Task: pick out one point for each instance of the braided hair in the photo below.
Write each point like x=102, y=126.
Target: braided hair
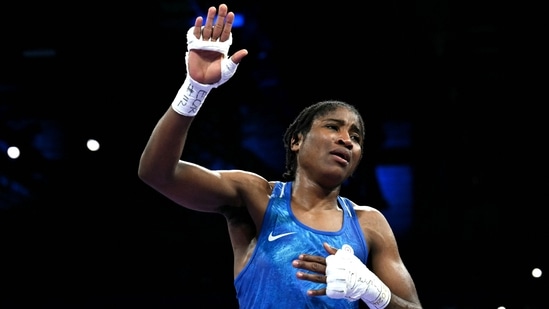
x=302, y=125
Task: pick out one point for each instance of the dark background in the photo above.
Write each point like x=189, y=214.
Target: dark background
x=463, y=83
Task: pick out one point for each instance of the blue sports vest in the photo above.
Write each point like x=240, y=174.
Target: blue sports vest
x=269, y=280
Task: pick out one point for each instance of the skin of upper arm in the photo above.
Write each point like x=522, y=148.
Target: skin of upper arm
x=198, y=188
x=386, y=261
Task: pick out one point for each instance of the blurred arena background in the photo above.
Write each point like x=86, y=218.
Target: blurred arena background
x=453, y=93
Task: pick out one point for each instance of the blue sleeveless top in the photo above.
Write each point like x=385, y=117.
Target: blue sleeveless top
x=269, y=280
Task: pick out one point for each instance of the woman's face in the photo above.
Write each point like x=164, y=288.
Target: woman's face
x=332, y=148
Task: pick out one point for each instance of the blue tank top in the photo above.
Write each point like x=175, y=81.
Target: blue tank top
x=269, y=280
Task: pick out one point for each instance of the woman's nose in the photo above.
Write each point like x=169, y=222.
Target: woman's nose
x=345, y=139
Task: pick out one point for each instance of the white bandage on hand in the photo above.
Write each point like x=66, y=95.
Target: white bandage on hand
x=192, y=94
x=347, y=277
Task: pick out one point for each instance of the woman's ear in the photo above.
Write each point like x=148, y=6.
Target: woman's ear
x=296, y=142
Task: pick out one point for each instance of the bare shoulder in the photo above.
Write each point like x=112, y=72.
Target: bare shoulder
x=368, y=213
x=373, y=223
x=252, y=194
x=250, y=189
x=245, y=180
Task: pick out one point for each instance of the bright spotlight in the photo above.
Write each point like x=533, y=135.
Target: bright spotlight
x=93, y=145
x=13, y=152
x=536, y=272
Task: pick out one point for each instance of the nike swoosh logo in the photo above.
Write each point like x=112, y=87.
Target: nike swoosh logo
x=275, y=237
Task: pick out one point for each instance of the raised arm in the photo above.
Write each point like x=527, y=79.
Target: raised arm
x=208, y=66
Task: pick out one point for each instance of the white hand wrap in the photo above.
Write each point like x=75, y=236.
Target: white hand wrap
x=192, y=94
x=347, y=277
